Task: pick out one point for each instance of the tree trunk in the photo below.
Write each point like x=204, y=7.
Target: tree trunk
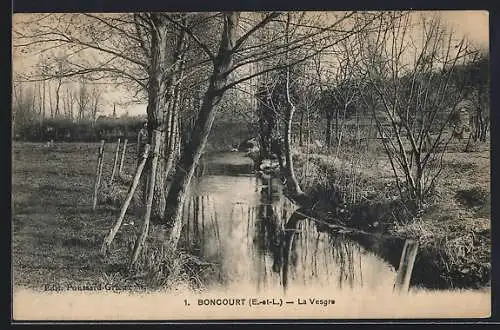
x=292, y=183
x=59, y=84
x=43, y=101
x=50, y=103
x=337, y=131
x=191, y=155
x=167, y=150
x=293, y=188
x=140, y=241
x=301, y=126
x=156, y=103
x=328, y=134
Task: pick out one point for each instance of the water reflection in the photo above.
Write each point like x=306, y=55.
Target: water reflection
x=245, y=225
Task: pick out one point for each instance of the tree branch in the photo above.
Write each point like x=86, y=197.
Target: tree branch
x=259, y=25
x=193, y=36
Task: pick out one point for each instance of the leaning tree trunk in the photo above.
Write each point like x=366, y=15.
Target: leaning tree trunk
x=177, y=194
x=59, y=83
x=291, y=180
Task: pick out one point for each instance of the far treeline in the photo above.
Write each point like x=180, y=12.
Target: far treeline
x=66, y=130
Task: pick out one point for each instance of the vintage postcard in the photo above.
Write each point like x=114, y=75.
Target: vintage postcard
x=251, y=165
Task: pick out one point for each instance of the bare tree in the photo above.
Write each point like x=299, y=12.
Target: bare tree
x=82, y=100
x=294, y=28
x=24, y=113
x=69, y=102
x=95, y=95
x=411, y=92
x=342, y=89
x=476, y=81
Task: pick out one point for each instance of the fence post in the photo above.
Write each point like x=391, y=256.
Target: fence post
x=406, y=263
x=111, y=235
x=115, y=163
x=123, y=157
x=98, y=175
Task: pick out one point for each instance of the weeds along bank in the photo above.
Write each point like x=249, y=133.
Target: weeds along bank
x=453, y=230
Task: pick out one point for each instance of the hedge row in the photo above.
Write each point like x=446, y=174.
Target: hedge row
x=88, y=131
x=223, y=133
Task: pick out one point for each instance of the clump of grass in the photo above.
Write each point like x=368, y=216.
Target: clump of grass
x=461, y=248
x=160, y=268
x=125, y=179
x=474, y=197
x=114, y=195
x=357, y=200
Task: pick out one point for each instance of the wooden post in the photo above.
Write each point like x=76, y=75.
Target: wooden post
x=98, y=175
x=145, y=226
x=123, y=157
x=405, y=269
x=115, y=163
x=111, y=235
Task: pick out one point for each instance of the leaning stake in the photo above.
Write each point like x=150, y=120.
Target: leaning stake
x=145, y=226
x=98, y=175
x=408, y=256
x=111, y=235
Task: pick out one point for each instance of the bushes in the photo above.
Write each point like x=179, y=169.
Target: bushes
x=227, y=134
x=223, y=136
x=88, y=131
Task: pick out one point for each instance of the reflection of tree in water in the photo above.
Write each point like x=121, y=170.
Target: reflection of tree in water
x=285, y=247
x=336, y=251
x=193, y=231
x=268, y=234
x=343, y=256
x=201, y=226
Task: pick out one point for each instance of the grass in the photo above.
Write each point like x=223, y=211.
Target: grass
x=56, y=237
x=357, y=189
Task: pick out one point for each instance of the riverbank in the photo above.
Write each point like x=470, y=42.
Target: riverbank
x=453, y=231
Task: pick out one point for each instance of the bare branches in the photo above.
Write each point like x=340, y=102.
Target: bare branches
x=411, y=82
x=258, y=26
x=200, y=43
x=66, y=39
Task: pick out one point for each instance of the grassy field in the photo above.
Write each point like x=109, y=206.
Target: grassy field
x=55, y=234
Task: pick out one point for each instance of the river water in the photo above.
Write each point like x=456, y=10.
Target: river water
x=238, y=221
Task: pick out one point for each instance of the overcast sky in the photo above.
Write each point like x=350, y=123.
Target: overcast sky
x=472, y=24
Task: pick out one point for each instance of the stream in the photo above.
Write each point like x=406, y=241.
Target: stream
x=238, y=221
